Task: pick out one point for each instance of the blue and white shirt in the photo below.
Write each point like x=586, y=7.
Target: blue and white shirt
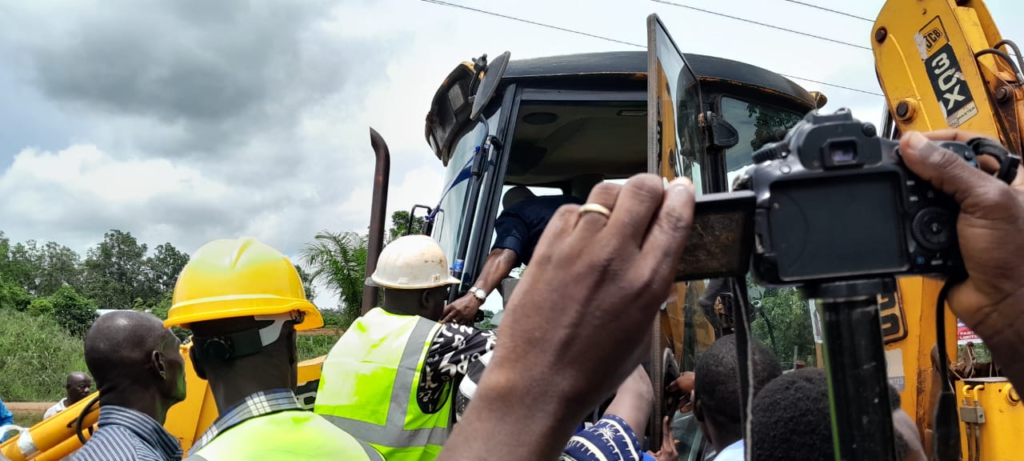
x=128, y=435
x=611, y=439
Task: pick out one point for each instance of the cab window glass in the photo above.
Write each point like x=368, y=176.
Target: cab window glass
x=757, y=125
x=452, y=212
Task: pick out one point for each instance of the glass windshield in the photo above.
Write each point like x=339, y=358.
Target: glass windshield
x=451, y=213
x=757, y=125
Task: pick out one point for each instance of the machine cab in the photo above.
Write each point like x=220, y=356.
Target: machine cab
x=557, y=125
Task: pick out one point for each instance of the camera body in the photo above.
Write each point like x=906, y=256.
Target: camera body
x=834, y=201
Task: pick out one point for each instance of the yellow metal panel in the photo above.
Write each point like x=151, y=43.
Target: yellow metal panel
x=55, y=434
x=918, y=296
x=924, y=37
x=1000, y=434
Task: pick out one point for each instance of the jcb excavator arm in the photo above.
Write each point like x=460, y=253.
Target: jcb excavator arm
x=943, y=64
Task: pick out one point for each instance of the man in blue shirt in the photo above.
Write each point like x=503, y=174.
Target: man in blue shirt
x=6, y=419
x=518, y=229
x=140, y=374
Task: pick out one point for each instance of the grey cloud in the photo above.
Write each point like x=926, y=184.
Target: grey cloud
x=216, y=72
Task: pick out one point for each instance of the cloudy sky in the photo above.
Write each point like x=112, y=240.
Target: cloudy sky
x=189, y=120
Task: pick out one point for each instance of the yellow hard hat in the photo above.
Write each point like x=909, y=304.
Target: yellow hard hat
x=239, y=278
x=413, y=262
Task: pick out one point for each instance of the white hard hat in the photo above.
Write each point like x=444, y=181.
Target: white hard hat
x=413, y=262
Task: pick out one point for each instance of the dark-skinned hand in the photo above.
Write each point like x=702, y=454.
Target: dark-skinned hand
x=462, y=310
x=668, y=444
x=576, y=323
x=683, y=388
x=991, y=234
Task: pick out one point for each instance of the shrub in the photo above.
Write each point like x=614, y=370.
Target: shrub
x=36, y=355
x=73, y=311
x=41, y=306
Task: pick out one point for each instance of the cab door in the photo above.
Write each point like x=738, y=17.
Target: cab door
x=674, y=148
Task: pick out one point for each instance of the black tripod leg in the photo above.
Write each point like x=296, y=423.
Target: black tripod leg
x=855, y=362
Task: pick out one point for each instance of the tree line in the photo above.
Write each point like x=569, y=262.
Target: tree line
x=51, y=279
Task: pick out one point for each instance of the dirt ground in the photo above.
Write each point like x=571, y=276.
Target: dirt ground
x=28, y=407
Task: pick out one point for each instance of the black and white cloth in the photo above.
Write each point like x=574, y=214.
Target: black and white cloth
x=454, y=350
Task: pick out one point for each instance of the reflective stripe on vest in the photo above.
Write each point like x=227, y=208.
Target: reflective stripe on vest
x=287, y=435
x=368, y=388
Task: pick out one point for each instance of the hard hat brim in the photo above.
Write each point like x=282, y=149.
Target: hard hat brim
x=375, y=281
x=185, y=314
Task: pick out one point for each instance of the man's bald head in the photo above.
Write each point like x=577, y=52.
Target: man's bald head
x=119, y=348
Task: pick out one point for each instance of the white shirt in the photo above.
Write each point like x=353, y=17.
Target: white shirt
x=56, y=408
x=732, y=452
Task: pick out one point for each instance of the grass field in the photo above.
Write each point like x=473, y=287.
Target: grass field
x=311, y=347
x=27, y=419
x=36, y=356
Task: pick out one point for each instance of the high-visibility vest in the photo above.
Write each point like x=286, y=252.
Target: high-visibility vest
x=369, y=381
x=286, y=435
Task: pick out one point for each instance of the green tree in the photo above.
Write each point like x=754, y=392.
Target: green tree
x=307, y=282
x=790, y=321
x=400, y=224
x=73, y=311
x=57, y=266
x=338, y=261
x=160, y=310
x=163, y=269
x=767, y=123
x=115, y=271
x=23, y=266
x=12, y=295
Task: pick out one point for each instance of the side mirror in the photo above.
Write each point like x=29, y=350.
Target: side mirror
x=723, y=134
x=493, y=73
x=819, y=99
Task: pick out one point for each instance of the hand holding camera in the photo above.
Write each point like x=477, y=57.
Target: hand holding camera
x=990, y=229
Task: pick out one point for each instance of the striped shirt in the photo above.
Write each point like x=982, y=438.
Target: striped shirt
x=610, y=439
x=128, y=435
x=258, y=404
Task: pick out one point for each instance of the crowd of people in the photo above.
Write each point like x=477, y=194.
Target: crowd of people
x=572, y=338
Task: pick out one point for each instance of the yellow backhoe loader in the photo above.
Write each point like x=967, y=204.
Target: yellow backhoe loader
x=941, y=63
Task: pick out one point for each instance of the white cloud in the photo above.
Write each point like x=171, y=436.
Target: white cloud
x=198, y=161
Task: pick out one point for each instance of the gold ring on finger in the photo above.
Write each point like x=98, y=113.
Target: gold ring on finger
x=595, y=208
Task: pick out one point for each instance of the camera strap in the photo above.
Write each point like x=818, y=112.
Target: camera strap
x=744, y=363
x=1008, y=162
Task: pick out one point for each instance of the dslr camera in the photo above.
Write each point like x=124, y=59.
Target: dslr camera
x=831, y=201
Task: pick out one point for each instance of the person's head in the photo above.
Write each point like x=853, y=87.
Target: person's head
x=414, y=273
x=256, y=353
x=581, y=185
x=717, y=389
x=243, y=301
x=793, y=411
x=515, y=195
x=791, y=415
x=136, y=362
x=78, y=386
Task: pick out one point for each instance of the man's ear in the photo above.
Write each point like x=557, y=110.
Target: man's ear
x=157, y=360
x=197, y=364
x=698, y=408
x=425, y=298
